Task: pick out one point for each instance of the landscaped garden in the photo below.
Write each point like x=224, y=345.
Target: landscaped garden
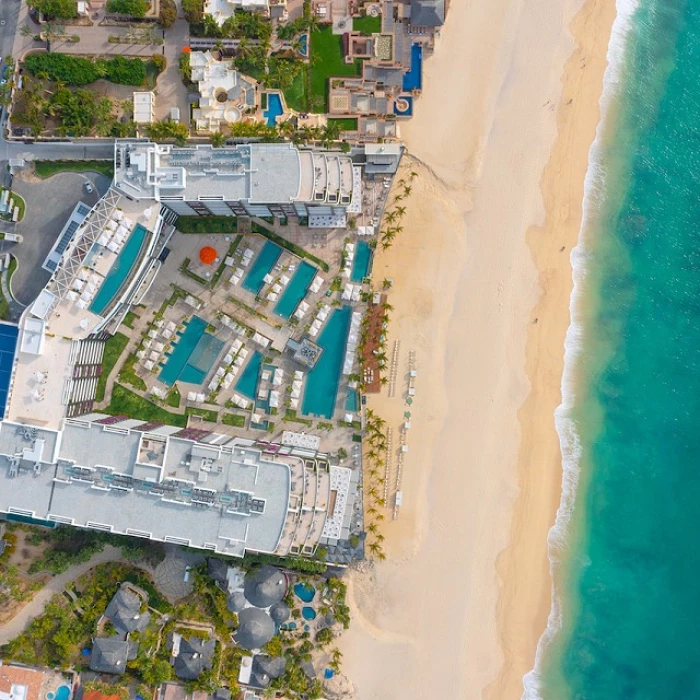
x=61, y=94
x=327, y=59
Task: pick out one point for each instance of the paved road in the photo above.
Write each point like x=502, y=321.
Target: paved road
x=57, y=584
x=9, y=13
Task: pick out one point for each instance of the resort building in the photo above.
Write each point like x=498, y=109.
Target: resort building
x=186, y=486
x=221, y=10
x=24, y=683
x=256, y=179
x=224, y=93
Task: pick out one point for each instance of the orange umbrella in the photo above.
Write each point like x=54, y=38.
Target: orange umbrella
x=207, y=255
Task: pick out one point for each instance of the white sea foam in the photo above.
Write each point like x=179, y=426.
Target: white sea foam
x=573, y=344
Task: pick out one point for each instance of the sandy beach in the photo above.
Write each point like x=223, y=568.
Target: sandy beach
x=482, y=284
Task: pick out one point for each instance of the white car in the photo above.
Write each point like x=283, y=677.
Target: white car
x=89, y=188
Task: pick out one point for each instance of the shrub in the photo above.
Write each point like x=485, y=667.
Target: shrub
x=124, y=71
x=168, y=13
x=134, y=8
x=194, y=10
x=159, y=61
x=58, y=66
x=75, y=70
x=65, y=9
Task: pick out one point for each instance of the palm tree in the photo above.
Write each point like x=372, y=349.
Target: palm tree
x=407, y=190
x=373, y=528
x=26, y=30
x=400, y=210
x=375, y=549
x=383, y=381
x=413, y=174
x=391, y=216
x=218, y=139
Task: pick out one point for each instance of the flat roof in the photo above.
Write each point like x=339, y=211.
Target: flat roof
x=98, y=475
x=255, y=173
x=143, y=107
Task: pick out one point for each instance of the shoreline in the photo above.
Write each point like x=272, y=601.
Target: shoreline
x=562, y=186
x=466, y=289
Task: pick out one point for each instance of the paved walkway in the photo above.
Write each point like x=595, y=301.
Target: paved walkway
x=56, y=585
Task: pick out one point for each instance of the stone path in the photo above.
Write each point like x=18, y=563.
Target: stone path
x=56, y=584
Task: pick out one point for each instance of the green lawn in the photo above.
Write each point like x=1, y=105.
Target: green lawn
x=130, y=319
x=345, y=124
x=295, y=94
x=127, y=403
x=367, y=24
x=173, y=398
x=114, y=347
x=327, y=61
x=209, y=416
x=15, y=201
x=233, y=419
x=47, y=168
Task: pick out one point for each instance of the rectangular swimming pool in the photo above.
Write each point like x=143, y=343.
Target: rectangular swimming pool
x=360, y=264
x=247, y=384
x=274, y=108
x=119, y=271
x=296, y=290
x=262, y=265
x=8, y=346
x=413, y=80
x=193, y=356
x=323, y=380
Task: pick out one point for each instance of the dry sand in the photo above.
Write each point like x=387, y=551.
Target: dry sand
x=439, y=618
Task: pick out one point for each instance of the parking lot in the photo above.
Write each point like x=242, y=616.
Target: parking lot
x=49, y=204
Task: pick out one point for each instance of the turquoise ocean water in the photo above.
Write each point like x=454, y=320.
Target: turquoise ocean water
x=625, y=623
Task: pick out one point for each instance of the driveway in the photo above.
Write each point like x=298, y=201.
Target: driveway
x=49, y=204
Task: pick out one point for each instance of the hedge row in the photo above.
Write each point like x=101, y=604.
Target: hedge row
x=76, y=70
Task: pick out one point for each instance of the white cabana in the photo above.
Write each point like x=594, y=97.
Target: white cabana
x=148, y=364
x=191, y=395
x=152, y=334
x=268, y=278
x=71, y=295
x=284, y=280
x=220, y=371
x=239, y=361
x=199, y=398
x=171, y=326
x=153, y=356
x=274, y=399
x=294, y=403
x=159, y=347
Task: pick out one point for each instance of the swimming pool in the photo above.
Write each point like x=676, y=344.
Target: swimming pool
x=119, y=271
x=413, y=80
x=8, y=347
x=352, y=402
x=308, y=613
x=193, y=355
x=295, y=291
x=304, y=44
x=304, y=591
x=247, y=384
x=262, y=265
x=274, y=108
x=322, y=381
x=360, y=264
x=62, y=692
